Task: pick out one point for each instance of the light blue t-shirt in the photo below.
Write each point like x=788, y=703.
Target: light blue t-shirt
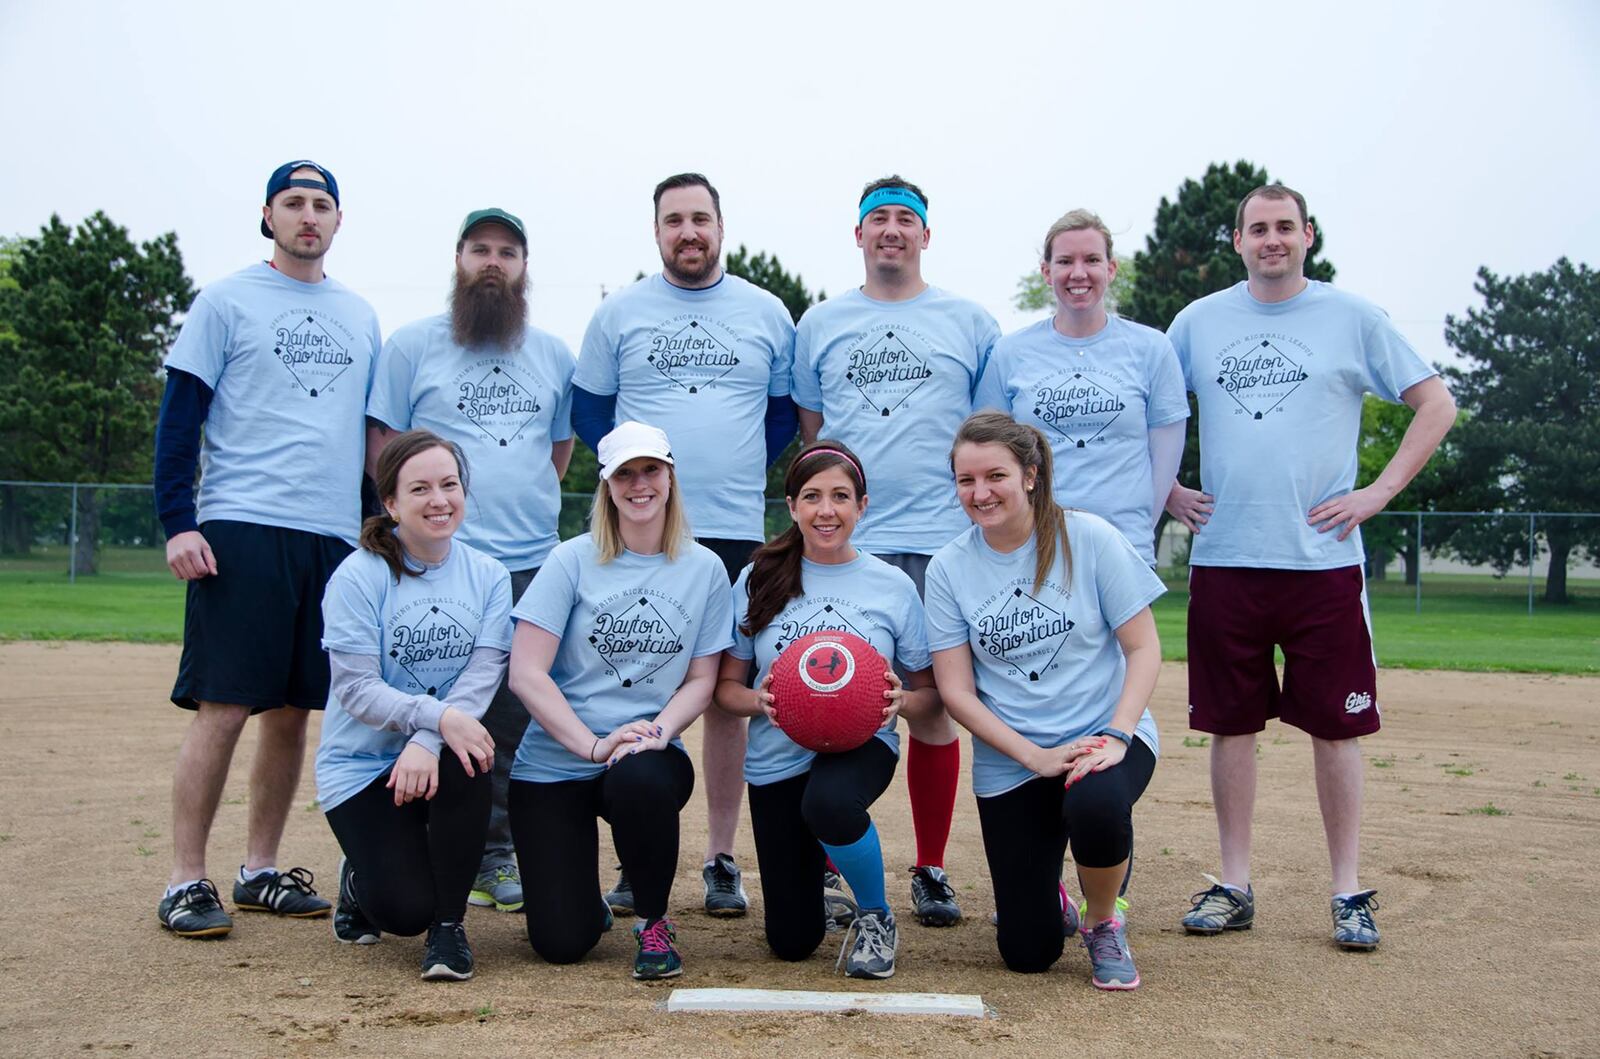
x=628, y=630
x=1280, y=386
x=699, y=364
x=865, y=596
x=289, y=365
x=1047, y=663
x=893, y=380
x=504, y=409
x=422, y=630
x=1096, y=399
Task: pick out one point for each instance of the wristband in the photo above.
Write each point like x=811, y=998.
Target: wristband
x=1116, y=733
x=592, y=750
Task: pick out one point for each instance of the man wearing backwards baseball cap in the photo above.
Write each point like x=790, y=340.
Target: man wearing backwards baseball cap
x=274, y=362
x=891, y=368
x=481, y=376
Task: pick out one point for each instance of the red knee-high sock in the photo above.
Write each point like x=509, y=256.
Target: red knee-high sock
x=932, y=772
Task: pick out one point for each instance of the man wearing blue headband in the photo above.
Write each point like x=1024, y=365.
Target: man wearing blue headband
x=889, y=369
x=706, y=357
x=274, y=362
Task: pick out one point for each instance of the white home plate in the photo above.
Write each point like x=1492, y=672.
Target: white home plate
x=960, y=1004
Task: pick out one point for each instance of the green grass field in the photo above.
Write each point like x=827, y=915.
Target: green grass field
x=1467, y=622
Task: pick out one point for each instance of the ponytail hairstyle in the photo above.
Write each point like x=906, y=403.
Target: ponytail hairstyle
x=377, y=532
x=775, y=567
x=1030, y=449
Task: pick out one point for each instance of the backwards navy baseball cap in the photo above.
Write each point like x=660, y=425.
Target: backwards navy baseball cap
x=280, y=180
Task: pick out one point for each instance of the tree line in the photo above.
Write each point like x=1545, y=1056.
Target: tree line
x=87, y=314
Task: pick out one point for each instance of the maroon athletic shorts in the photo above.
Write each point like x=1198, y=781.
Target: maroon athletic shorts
x=1318, y=617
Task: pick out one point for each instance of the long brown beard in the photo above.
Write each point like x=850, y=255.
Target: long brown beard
x=488, y=313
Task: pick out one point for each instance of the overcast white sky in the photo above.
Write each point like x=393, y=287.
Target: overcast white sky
x=1430, y=138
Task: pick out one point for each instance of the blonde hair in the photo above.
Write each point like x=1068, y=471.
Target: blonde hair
x=1077, y=221
x=1030, y=449
x=604, y=524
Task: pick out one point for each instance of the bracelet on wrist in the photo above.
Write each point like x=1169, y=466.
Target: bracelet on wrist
x=592, y=749
x=1116, y=733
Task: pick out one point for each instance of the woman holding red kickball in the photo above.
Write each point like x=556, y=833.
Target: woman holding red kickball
x=806, y=807
x=1046, y=651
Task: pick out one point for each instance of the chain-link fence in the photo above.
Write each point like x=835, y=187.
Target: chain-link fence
x=73, y=530
x=79, y=529
x=1456, y=554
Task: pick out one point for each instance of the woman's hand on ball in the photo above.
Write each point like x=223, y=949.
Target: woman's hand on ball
x=766, y=700
x=895, y=694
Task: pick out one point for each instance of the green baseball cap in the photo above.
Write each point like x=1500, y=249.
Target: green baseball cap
x=494, y=215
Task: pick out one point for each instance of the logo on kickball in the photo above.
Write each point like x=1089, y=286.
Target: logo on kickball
x=827, y=667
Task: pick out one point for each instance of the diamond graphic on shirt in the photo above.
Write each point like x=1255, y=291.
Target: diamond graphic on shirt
x=1260, y=378
x=635, y=638
x=886, y=369
x=817, y=615
x=1078, y=409
x=314, y=357
x=693, y=352
x=1024, y=633
x=432, y=650
x=496, y=401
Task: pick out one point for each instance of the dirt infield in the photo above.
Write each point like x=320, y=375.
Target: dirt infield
x=1481, y=837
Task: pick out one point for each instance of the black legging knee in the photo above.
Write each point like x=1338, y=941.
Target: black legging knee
x=1025, y=836
x=790, y=818
x=415, y=863
x=554, y=825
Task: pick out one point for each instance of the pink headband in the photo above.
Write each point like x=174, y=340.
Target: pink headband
x=860, y=474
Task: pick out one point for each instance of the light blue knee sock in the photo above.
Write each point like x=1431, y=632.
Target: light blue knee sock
x=861, y=864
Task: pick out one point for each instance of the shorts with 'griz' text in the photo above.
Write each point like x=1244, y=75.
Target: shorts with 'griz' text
x=1319, y=617
x=252, y=632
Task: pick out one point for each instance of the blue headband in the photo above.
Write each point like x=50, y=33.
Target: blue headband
x=894, y=196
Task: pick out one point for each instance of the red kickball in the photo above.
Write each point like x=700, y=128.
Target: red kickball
x=828, y=688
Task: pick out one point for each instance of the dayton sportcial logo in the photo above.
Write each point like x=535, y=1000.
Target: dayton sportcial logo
x=433, y=649
x=1261, y=375
x=1078, y=409
x=634, y=637
x=497, y=400
x=1024, y=633
x=820, y=614
x=314, y=348
x=693, y=352
x=886, y=370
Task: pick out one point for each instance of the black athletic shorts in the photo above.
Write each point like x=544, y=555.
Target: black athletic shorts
x=252, y=632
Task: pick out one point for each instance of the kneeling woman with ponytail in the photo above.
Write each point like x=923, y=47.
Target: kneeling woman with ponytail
x=615, y=654
x=1046, y=651
x=810, y=579
x=417, y=626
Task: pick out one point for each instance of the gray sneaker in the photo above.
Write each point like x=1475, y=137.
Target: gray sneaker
x=872, y=954
x=1109, y=955
x=620, y=897
x=841, y=907
x=195, y=912
x=1219, y=909
x=1353, y=927
x=933, y=899
x=500, y=888
x=725, y=896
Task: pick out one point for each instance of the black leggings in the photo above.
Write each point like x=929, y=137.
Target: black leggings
x=1025, y=835
x=414, y=863
x=554, y=828
x=791, y=817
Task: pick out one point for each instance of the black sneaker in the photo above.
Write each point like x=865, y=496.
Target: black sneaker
x=620, y=897
x=725, y=896
x=447, y=957
x=932, y=897
x=195, y=912
x=288, y=893
x=350, y=926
